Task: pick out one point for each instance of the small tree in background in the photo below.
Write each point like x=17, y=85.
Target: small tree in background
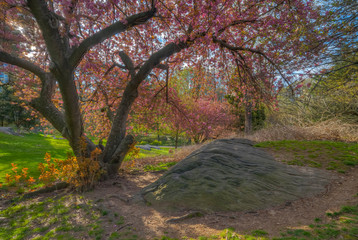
x=12, y=109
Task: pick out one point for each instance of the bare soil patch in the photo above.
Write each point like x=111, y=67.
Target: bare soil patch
x=148, y=223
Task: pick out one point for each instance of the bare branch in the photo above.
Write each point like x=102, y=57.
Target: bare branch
x=113, y=66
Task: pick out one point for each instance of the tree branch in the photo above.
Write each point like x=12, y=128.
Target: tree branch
x=162, y=66
x=122, y=149
x=127, y=62
x=22, y=63
x=234, y=48
x=130, y=93
x=108, y=32
x=113, y=66
x=49, y=24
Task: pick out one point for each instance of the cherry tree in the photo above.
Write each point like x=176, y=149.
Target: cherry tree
x=76, y=58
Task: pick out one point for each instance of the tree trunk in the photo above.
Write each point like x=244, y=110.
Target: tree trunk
x=158, y=137
x=118, y=143
x=176, y=138
x=248, y=118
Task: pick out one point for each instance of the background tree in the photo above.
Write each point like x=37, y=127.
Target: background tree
x=340, y=22
x=12, y=110
x=329, y=93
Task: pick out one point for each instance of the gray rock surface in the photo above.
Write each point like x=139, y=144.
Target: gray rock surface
x=145, y=147
x=8, y=130
x=231, y=175
x=148, y=147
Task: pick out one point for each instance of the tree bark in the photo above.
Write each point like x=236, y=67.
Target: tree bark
x=248, y=118
x=176, y=138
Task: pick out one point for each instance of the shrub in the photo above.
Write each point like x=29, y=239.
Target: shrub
x=15, y=178
x=81, y=173
x=157, y=143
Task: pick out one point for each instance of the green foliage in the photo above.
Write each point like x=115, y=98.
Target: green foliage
x=157, y=143
x=349, y=209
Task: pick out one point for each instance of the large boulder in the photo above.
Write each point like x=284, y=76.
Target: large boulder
x=232, y=175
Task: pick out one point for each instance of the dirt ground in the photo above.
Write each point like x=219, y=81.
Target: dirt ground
x=149, y=223
x=114, y=196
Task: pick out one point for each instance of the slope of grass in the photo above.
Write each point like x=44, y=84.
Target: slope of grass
x=162, y=166
x=330, y=155
x=28, y=151
x=154, y=152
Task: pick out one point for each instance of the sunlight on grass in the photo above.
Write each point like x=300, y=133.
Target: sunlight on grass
x=28, y=151
x=155, y=152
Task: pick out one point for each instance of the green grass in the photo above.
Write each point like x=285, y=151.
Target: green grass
x=28, y=151
x=155, y=152
x=68, y=217
x=162, y=166
x=43, y=220
x=330, y=155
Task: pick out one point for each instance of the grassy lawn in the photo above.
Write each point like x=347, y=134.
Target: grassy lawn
x=329, y=155
x=28, y=151
x=154, y=152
